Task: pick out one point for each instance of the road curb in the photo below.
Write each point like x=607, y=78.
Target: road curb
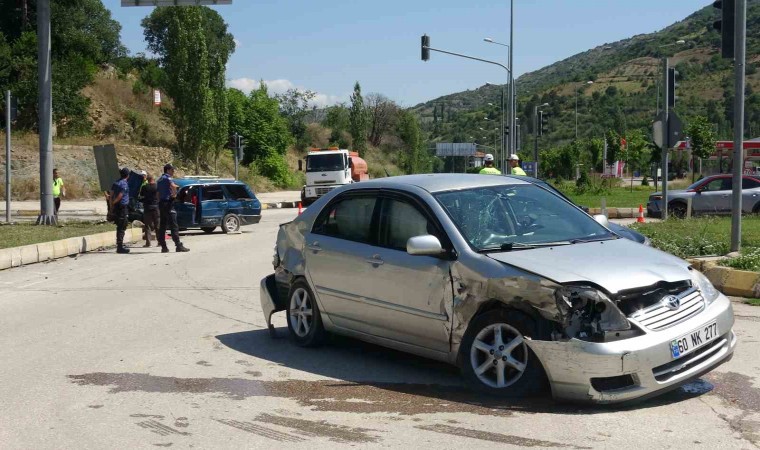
x=617, y=213
x=279, y=205
x=48, y=251
x=739, y=283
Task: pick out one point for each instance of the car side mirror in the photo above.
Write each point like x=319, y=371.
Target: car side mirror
x=602, y=220
x=300, y=165
x=425, y=245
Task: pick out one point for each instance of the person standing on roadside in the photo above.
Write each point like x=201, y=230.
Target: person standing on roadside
x=120, y=208
x=58, y=190
x=514, y=163
x=167, y=191
x=149, y=198
x=489, y=169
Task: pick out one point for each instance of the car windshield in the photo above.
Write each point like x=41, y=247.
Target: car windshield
x=325, y=163
x=497, y=218
x=694, y=185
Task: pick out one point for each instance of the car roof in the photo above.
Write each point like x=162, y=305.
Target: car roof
x=181, y=182
x=439, y=182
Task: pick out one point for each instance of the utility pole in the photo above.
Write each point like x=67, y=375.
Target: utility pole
x=740, y=35
x=512, y=87
x=45, y=107
x=665, y=140
x=8, y=156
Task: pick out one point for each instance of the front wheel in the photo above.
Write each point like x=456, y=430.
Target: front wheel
x=495, y=356
x=230, y=223
x=304, y=320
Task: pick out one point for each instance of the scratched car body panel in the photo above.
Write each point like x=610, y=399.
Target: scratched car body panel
x=500, y=277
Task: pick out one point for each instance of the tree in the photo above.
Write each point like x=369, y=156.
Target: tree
x=338, y=120
x=382, y=114
x=294, y=105
x=613, y=146
x=702, y=138
x=358, y=120
x=193, y=47
x=267, y=135
x=408, y=130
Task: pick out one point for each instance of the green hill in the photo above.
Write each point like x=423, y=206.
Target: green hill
x=626, y=76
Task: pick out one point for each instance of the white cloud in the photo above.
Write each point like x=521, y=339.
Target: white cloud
x=238, y=44
x=281, y=86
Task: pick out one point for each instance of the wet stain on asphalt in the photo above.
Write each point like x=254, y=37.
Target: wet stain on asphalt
x=260, y=430
x=494, y=437
x=253, y=373
x=203, y=363
x=321, y=428
x=738, y=391
x=95, y=406
x=168, y=444
x=152, y=416
x=354, y=397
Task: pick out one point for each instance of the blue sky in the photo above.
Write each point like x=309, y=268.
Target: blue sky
x=327, y=45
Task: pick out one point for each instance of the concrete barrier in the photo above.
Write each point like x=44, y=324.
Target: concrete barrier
x=47, y=251
x=739, y=283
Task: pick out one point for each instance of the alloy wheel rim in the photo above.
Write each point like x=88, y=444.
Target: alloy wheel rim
x=300, y=314
x=499, y=355
x=231, y=223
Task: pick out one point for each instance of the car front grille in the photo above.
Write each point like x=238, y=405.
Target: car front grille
x=658, y=317
x=323, y=190
x=669, y=370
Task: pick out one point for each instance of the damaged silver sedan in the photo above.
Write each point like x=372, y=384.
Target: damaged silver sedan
x=510, y=282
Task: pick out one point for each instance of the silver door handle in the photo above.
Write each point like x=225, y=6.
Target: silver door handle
x=314, y=247
x=375, y=260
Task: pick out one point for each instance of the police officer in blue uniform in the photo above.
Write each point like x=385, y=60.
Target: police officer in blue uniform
x=167, y=191
x=120, y=208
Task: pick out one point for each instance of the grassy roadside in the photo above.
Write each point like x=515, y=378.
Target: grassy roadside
x=26, y=234
x=616, y=196
x=700, y=237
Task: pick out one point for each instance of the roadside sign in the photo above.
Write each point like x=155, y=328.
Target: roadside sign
x=658, y=133
x=156, y=97
x=675, y=128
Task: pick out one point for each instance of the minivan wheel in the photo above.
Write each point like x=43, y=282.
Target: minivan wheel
x=230, y=223
x=208, y=229
x=304, y=320
x=496, y=358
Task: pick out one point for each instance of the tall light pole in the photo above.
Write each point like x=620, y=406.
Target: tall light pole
x=45, y=114
x=503, y=122
x=666, y=133
x=576, y=107
x=511, y=100
x=536, y=131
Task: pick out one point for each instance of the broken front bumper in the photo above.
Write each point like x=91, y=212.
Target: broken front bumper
x=638, y=367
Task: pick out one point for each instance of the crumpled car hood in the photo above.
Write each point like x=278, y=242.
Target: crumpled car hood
x=614, y=265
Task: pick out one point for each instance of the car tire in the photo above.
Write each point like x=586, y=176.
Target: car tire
x=678, y=210
x=481, y=358
x=304, y=319
x=208, y=230
x=756, y=209
x=230, y=223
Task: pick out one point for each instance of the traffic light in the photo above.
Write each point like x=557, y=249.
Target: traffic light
x=425, y=47
x=672, y=73
x=543, y=123
x=726, y=26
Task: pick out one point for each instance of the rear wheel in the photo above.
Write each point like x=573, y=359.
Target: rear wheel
x=678, y=210
x=495, y=356
x=208, y=229
x=304, y=320
x=230, y=223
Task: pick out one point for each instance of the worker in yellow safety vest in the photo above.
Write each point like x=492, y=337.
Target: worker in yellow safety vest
x=489, y=169
x=514, y=163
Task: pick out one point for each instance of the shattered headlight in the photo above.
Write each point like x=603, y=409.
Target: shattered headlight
x=588, y=312
x=709, y=293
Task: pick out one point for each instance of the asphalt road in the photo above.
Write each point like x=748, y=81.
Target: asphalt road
x=170, y=350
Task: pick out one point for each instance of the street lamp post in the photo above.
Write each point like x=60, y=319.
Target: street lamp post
x=576, y=107
x=536, y=132
x=503, y=126
x=666, y=134
x=511, y=99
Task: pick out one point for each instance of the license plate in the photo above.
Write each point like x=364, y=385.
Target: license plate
x=694, y=340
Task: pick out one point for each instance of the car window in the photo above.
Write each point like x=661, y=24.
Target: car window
x=237, y=192
x=750, y=183
x=727, y=185
x=213, y=192
x=349, y=219
x=714, y=185
x=400, y=221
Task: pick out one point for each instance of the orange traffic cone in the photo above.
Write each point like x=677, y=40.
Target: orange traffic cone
x=640, y=219
x=300, y=208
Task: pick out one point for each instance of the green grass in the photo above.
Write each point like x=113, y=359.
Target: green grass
x=25, y=234
x=753, y=301
x=616, y=197
x=700, y=237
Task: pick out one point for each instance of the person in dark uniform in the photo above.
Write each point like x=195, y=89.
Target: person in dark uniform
x=167, y=191
x=120, y=208
x=149, y=199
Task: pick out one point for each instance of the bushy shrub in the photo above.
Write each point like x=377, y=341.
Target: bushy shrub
x=748, y=260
